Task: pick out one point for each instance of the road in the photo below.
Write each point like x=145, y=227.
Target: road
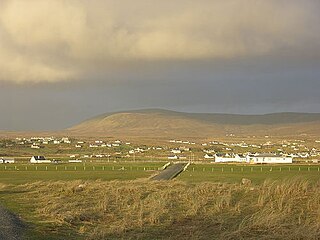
x=11, y=226
x=170, y=172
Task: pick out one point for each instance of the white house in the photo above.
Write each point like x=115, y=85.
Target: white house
x=229, y=158
x=6, y=160
x=75, y=161
x=209, y=156
x=268, y=158
x=176, y=151
x=175, y=157
x=39, y=159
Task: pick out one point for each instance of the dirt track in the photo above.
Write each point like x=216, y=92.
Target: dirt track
x=11, y=227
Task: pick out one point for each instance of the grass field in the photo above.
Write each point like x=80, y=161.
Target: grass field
x=196, y=173
x=27, y=173
x=256, y=173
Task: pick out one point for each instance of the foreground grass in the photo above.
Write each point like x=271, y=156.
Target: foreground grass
x=143, y=209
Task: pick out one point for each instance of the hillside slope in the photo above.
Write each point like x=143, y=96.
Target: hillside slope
x=163, y=123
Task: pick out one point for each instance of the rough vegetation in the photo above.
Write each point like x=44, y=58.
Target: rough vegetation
x=176, y=210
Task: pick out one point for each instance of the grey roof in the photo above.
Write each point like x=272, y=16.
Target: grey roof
x=39, y=158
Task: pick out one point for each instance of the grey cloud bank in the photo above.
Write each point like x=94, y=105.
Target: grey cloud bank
x=56, y=40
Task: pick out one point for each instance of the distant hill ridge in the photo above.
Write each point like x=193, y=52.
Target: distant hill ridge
x=148, y=122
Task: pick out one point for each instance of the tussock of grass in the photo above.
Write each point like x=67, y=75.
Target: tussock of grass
x=3, y=186
x=176, y=210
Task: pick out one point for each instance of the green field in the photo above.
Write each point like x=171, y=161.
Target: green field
x=256, y=173
x=26, y=173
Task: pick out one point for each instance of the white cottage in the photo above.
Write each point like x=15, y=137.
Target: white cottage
x=39, y=159
x=229, y=158
x=268, y=158
x=208, y=156
x=7, y=160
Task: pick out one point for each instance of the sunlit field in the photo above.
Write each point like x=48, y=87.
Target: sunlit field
x=256, y=173
x=26, y=173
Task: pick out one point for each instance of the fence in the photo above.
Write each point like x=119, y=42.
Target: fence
x=75, y=168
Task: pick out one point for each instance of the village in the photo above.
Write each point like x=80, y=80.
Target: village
x=70, y=150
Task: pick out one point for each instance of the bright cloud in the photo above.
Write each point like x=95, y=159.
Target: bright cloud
x=56, y=40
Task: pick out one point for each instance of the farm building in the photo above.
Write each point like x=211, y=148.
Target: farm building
x=6, y=160
x=39, y=159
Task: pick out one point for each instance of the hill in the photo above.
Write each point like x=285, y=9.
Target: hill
x=158, y=123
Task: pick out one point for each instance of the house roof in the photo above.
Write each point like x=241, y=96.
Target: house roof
x=39, y=158
x=265, y=155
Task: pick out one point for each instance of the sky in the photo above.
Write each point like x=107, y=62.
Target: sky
x=64, y=61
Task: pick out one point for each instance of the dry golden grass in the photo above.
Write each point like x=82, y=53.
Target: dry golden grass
x=3, y=186
x=175, y=210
